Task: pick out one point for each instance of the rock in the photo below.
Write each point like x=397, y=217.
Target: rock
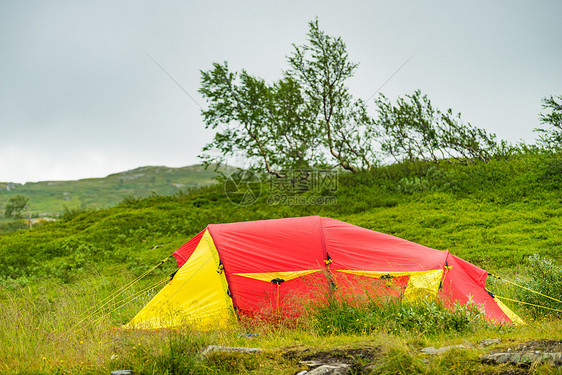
x=229, y=349
x=341, y=369
x=489, y=342
x=429, y=350
x=526, y=358
x=432, y=350
x=311, y=364
x=528, y=353
x=302, y=372
x=318, y=367
x=468, y=344
x=122, y=372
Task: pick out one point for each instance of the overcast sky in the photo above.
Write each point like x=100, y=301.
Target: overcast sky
x=80, y=96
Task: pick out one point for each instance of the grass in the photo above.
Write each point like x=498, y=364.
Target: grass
x=496, y=215
x=38, y=335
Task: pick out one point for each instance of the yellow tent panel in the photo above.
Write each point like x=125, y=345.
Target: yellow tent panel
x=514, y=317
x=268, y=276
x=420, y=283
x=423, y=284
x=197, y=295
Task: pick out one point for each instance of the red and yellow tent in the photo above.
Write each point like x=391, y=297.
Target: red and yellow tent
x=271, y=267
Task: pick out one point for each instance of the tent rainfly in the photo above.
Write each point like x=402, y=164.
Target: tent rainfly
x=275, y=267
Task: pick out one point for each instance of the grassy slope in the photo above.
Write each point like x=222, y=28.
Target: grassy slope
x=494, y=215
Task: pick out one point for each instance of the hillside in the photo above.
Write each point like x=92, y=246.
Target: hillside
x=49, y=198
x=496, y=215
x=493, y=214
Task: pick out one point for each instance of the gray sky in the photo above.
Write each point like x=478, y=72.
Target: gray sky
x=79, y=96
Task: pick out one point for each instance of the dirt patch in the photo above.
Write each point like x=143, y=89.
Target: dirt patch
x=294, y=352
x=515, y=371
x=344, y=355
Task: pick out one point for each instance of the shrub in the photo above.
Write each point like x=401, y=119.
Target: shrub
x=427, y=316
x=550, y=171
x=71, y=213
x=434, y=180
x=544, y=276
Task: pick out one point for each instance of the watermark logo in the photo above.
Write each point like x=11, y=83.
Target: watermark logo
x=289, y=190
x=299, y=200
x=243, y=187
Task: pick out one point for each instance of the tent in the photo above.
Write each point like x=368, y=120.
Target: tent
x=273, y=267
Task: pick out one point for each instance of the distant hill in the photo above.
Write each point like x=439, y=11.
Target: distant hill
x=49, y=198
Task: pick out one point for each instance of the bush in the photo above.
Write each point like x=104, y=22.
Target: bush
x=434, y=180
x=427, y=317
x=544, y=276
x=71, y=213
x=550, y=171
x=12, y=226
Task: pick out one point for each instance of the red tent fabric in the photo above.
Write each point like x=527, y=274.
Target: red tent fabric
x=268, y=264
x=184, y=252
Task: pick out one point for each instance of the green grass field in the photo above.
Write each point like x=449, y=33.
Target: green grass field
x=496, y=215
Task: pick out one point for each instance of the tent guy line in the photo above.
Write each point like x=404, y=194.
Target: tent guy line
x=392, y=76
x=173, y=80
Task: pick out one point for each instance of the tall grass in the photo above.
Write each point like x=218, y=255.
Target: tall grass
x=37, y=329
x=425, y=317
x=42, y=331
x=52, y=331
x=542, y=279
